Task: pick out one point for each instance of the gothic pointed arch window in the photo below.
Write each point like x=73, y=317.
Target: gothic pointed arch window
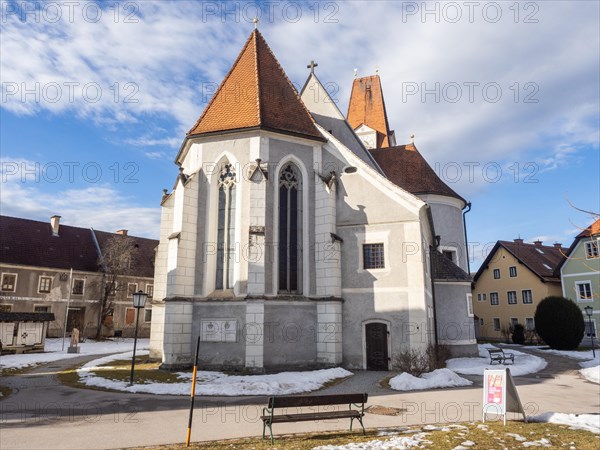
x=290, y=229
x=226, y=227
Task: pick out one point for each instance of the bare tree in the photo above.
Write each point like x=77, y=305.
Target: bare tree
x=117, y=260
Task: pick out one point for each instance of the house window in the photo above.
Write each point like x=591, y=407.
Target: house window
x=513, y=321
x=129, y=316
x=591, y=250
x=496, y=274
x=147, y=315
x=112, y=288
x=45, y=284
x=5, y=308
x=496, y=324
x=494, y=298
x=131, y=289
x=483, y=296
x=41, y=309
x=527, y=297
x=590, y=328
x=512, y=271
x=450, y=254
x=583, y=290
x=512, y=297
x=479, y=297
x=150, y=290
x=78, y=286
x=529, y=324
x=9, y=282
x=481, y=322
x=226, y=227
x=373, y=256
x=290, y=229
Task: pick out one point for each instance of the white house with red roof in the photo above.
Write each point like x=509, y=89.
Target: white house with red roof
x=284, y=243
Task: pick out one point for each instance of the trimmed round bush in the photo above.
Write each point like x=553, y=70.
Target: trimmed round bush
x=518, y=334
x=559, y=322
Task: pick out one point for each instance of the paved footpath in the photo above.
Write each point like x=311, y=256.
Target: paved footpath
x=43, y=414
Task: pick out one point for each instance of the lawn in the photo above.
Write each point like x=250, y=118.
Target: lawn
x=491, y=435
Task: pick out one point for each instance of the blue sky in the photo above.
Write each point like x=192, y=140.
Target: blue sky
x=532, y=71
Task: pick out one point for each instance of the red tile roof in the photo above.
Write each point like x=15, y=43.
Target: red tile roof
x=31, y=243
x=592, y=230
x=368, y=107
x=406, y=167
x=256, y=93
x=540, y=259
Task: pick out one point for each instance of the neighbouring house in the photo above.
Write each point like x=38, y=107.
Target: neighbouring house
x=580, y=274
x=36, y=260
x=294, y=236
x=510, y=283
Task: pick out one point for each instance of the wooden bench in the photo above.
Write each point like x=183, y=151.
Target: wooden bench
x=355, y=402
x=498, y=355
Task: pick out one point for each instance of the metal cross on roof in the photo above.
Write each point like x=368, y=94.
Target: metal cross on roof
x=312, y=66
x=255, y=21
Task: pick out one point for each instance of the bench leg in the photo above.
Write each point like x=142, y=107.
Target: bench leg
x=264, y=426
x=271, y=432
x=361, y=424
x=351, y=420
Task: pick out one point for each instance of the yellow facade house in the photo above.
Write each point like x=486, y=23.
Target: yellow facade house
x=511, y=282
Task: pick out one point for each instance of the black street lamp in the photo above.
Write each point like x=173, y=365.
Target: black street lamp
x=589, y=310
x=139, y=301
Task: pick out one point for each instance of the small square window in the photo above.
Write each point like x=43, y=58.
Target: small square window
x=5, y=308
x=527, y=297
x=591, y=250
x=78, y=285
x=496, y=324
x=42, y=309
x=9, y=282
x=481, y=322
x=131, y=289
x=373, y=257
x=45, y=285
x=496, y=274
x=148, y=315
x=484, y=297
x=494, y=298
x=529, y=324
x=584, y=291
x=478, y=297
x=512, y=297
x=512, y=271
x=450, y=254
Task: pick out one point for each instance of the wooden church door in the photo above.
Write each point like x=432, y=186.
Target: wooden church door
x=377, y=346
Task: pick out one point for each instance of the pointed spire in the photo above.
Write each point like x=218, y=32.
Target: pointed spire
x=256, y=93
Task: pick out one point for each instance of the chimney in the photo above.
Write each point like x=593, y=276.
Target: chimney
x=122, y=232
x=538, y=243
x=518, y=241
x=557, y=245
x=55, y=223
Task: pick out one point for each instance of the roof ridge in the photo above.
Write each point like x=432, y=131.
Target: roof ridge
x=215, y=95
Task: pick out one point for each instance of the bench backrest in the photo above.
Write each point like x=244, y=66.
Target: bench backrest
x=495, y=350
x=316, y=400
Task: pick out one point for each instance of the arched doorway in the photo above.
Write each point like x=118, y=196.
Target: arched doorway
x=376, y=340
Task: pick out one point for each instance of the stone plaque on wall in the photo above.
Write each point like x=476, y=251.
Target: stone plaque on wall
x=218, y=330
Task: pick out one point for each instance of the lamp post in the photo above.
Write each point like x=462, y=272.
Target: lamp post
x=139, y=301
x=589, y=310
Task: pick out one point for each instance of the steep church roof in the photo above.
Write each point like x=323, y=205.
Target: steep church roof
x=256, y=94
x=368, y=107
x=407, y=168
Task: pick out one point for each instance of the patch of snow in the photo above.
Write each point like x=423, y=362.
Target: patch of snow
x=396, y=443
x=591, y=373
x=468, y=444
x=589, y=422
x=583, y=355
x=518, y=437
x=54, y=352
x=524, y=363
x=543, y=442
x=216, y=383
x=440, y=378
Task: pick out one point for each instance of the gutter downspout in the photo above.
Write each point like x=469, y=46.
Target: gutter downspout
x=468, y=206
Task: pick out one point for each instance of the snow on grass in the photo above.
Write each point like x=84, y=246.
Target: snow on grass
x=439, y=378
x=54, y=352
x=524, y=363
x=395, y=443
x=591, y=372
x=215, y=383
x=589, y=422
x=583, y=355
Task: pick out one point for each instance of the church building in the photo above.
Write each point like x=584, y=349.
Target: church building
x=296, y=237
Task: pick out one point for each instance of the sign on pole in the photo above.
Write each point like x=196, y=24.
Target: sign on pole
x=500, y=394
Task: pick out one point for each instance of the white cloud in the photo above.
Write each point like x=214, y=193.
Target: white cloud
x=101, y=207
x=175, y=48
